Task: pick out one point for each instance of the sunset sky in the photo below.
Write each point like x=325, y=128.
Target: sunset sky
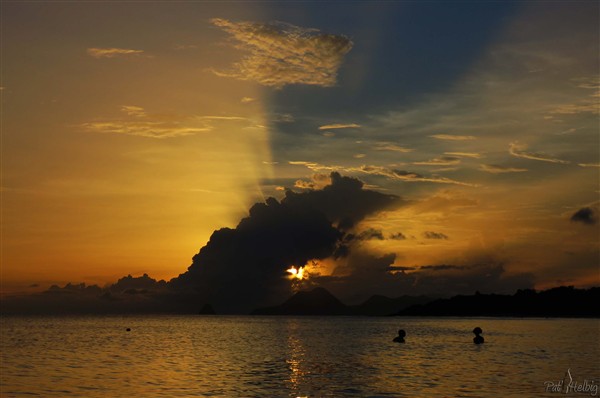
x=131, y=131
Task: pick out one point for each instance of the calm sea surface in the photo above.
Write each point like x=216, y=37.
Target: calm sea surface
x=187, y=356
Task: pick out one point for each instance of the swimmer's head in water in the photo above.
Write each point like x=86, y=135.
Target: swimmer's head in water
x=477, y=330
x=401, y=333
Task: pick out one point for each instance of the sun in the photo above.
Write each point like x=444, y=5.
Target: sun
x=296, y=273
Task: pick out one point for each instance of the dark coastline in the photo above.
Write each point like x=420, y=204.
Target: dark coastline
x=560, y=302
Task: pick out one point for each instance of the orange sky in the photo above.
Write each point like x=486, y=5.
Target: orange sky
x=130, y=132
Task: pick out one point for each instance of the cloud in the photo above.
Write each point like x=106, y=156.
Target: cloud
x=245, y=267
x=441, y=161
x=112, y=52
x=388, y=146
x=398, y=236
x=344, y=201
x=409, y=176
x=468, y=278
x=434, y=235
x=573, y=109
x=317, y=181
x=520, y=151
x=369, y=234
x=496, y=169
x=339, y=126
x=398, y=175
x=151, y=129
x=132, y=110
x=280, y=54
x=566, y=132
x=442, y=267
x=362, y=273
x=472, y=155
x=588, y=104
x=140, y=123
x=585, y=215
x=589, y=164
x=246, y=100
x=451, y=137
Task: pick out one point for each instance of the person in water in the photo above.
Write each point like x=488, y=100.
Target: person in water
x=478, y=339
x=400, y=337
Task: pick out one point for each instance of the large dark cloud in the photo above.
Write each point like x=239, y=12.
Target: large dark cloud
x=363, y=274
x=344, y=202
x=242, y=268
x=585, y=215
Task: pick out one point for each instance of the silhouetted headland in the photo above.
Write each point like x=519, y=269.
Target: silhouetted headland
x=561, y=301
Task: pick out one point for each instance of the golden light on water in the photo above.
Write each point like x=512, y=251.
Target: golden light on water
x=296, y=273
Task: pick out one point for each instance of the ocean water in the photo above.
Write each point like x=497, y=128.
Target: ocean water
x=233, y=356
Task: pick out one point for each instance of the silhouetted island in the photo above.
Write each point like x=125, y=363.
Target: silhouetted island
x=564, y=301
x=557, y=302
x=314, y=302
x=207, y=309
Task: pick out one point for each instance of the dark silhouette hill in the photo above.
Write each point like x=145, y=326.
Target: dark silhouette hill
x=207, y=309
x=319, y=301
x=564, y=301
x=314, y=302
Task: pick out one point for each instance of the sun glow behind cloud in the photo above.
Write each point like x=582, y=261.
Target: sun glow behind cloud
x=296, y=272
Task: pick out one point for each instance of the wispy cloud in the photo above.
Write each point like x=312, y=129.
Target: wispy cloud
x=471, y=155
x=144, y=129
x=246, y=100
x=573, y=109
x=339, y=126
x=112, y=52
x=388, y=146
x=496, y=169
x=588, y=104
x=520, y=151
x=139, y=123
x=132, y=110
x=441, y=161
x=451, y=137
x=221, y=117
x=280, y=54
x=589, y=164
x=393, y=174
